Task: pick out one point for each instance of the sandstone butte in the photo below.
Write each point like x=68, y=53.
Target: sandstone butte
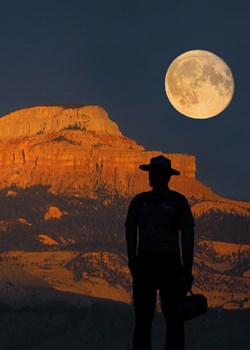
x=75, y=151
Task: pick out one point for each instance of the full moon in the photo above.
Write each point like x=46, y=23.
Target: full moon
x=199, y=84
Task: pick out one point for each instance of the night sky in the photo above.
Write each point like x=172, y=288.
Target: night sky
x=116, y=53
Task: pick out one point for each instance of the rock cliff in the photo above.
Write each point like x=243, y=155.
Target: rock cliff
x=39, y=120
x=76, y=150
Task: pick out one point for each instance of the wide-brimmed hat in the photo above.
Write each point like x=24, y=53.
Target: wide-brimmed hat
x=160, y=163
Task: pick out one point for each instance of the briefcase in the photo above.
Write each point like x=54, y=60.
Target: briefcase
x=190, y=306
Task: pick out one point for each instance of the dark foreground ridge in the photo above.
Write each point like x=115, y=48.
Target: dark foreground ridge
x=105, y=326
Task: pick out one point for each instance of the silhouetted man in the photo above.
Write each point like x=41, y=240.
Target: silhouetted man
x=155, y=258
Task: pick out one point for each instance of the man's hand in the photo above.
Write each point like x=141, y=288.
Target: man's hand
x=186, y=281
x=132, y=265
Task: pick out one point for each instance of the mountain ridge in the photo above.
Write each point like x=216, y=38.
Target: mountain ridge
x=83, y=142
x=78, y=150
x=42, y=119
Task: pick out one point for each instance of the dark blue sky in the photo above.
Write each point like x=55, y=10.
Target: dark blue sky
x=115, y=54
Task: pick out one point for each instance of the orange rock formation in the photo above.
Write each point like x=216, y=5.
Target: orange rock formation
x=78, y=150
x=73, y=151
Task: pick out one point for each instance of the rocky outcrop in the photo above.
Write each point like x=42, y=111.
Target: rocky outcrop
x=80, y=151
x=53, y=213
x=40, y=120
x=226, y=206
x=76, y=151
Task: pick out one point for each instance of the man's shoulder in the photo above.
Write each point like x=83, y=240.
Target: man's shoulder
x=136, y=203
x=178, y=198
x=181, y=203
x=171, y=195
x=141, y=196
x=176, y=195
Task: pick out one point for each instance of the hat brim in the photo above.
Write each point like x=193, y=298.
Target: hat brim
x=148, y=167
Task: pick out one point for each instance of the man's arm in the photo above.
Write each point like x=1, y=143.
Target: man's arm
x=131, y=235
x=186, y=225
x=187, y=244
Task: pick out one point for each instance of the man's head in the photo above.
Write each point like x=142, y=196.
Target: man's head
x=160, y=171
x=158, y=178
